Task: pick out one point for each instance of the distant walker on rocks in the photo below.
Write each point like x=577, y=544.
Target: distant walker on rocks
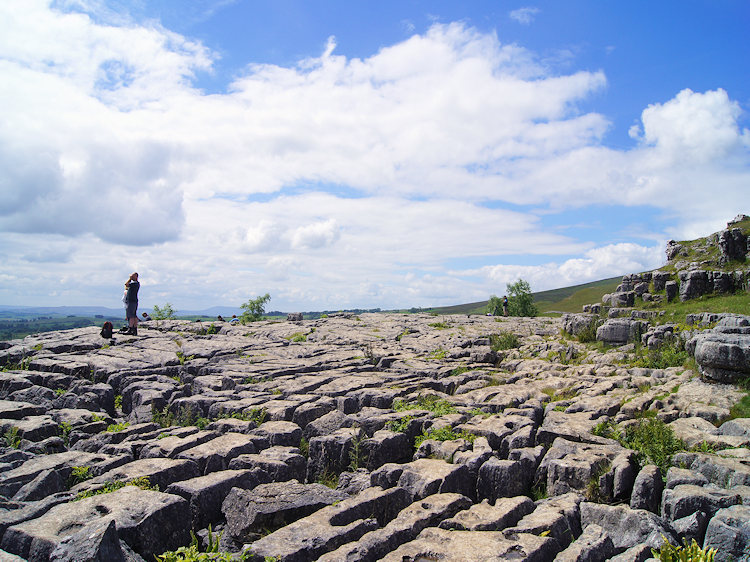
x=131, y=299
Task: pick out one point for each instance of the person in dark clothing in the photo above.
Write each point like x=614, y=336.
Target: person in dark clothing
x=132, y=285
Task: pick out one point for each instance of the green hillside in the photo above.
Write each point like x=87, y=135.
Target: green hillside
x=566, y=299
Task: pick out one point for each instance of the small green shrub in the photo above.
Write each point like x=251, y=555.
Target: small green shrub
x=687, y=553
x=503, y=341
x=117, y=427
x=118, y=401
x=164, y=313
x=654, y=443
x=440, y=325
x=671, y=353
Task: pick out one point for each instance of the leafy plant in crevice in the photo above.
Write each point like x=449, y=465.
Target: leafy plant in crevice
x=356, y=453
x=12, y=438
x=304, y=447
x=328, y=478
x=297, y=337
x=183, y=417
x=687, y=553
x=79, y=474
x=117, y=427
x=588, y=333
x=65, y=429
x=593, y=491
x=429, y=402
x=437, y=355
x=400, y=425
x=445, y=433
x=193, y=553
x=539, y=490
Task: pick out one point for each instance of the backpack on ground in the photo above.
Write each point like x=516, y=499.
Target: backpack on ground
x=107, y=330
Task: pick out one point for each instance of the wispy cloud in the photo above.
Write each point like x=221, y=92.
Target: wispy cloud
x=524, y=15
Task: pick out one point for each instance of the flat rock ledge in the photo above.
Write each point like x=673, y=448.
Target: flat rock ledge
x=355, y=438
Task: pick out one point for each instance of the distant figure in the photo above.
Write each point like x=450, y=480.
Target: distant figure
x=220, y=318
x=234, y=319
x=132, y=285
x=146, y=317
x=505, y=305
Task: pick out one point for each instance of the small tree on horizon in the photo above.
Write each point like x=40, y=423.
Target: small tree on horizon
x=495, y=306
x=520, y=299
x=254, y=309
x=165, y=312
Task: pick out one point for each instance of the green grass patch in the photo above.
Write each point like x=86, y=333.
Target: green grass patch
x=141, y=482
x=556, y=395
x=297, y=337
x=430, y=402
x=437, y=355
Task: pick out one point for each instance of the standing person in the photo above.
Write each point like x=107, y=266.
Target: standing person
x=505, y=305
x=132, y=285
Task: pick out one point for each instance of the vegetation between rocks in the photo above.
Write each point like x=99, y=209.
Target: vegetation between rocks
x=687, y=553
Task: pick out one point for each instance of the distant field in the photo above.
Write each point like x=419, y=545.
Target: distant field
x=17, y=328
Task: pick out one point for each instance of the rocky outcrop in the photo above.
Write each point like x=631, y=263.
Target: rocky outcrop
x=378, y=437
x=723, y=353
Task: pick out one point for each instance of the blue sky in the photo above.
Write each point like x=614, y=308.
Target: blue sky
x=361, y=154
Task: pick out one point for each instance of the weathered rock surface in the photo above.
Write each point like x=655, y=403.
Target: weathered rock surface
x=308, y=449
